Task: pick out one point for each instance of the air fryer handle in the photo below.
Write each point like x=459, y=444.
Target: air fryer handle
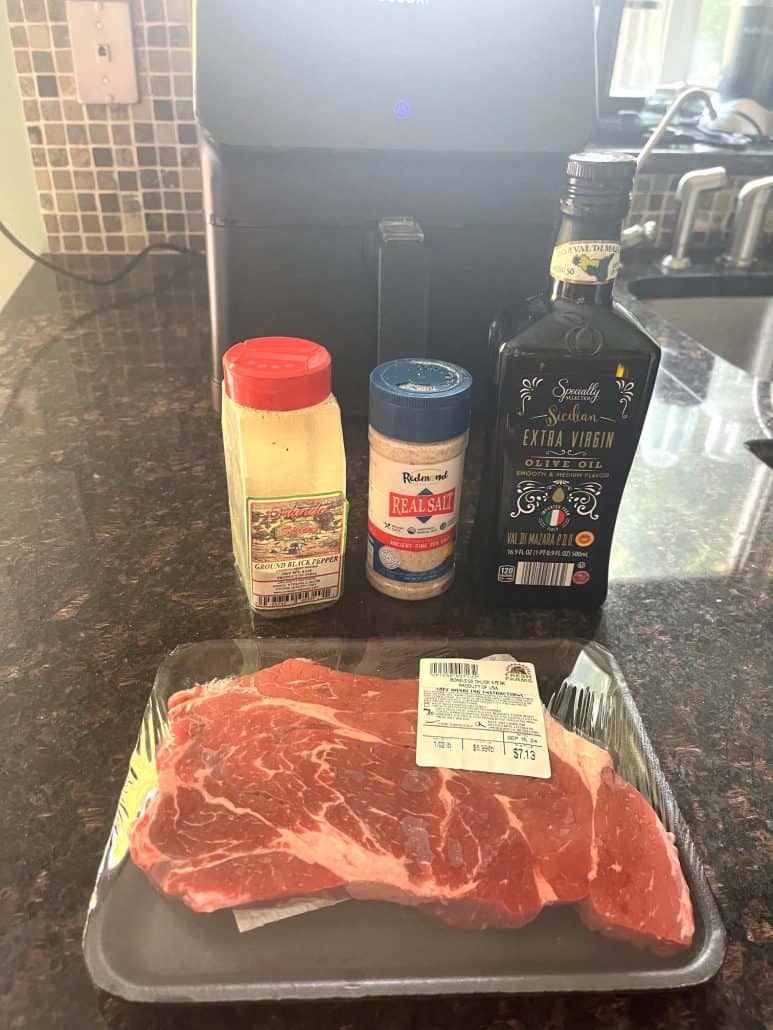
x=403, y=290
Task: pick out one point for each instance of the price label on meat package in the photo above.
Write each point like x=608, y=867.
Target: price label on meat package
x=481, y=715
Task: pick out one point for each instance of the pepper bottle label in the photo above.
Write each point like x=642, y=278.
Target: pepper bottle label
x=296, y=550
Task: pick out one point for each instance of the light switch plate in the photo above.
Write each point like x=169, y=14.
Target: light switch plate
x=102, y=51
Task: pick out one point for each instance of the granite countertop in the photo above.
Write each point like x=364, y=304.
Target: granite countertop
x=676, y=153
x=115, y=539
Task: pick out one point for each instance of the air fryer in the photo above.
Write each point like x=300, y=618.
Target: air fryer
x=324, y=126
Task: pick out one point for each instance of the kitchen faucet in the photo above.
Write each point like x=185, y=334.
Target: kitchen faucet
x=645, y=233
x=659, y=131
x=688, y=192
x=750, y=210
x=639, y=233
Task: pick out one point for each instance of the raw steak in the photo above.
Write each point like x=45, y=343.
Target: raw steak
x=644, y=902
x=299, y=779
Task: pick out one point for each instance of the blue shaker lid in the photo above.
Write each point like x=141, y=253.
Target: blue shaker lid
x=420, y=400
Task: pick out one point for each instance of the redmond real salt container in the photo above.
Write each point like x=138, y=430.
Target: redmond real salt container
x=286, y=471
x=419, y=416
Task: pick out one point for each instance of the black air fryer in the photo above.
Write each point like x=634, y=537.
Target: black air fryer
x=381, y=175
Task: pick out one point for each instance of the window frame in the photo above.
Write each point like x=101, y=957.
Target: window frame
x=681, y=27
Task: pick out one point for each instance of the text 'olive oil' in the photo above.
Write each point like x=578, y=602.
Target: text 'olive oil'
x=571, y=379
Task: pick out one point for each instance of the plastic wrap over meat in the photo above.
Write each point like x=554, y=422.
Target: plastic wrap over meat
x=299, y=779
x=276, y=839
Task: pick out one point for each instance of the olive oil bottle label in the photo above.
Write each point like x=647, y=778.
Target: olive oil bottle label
x=586, y=261
x=570, y=439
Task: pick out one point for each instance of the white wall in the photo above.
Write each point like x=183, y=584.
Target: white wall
x=18, y=196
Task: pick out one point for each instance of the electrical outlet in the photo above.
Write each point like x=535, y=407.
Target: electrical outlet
x=102, y=51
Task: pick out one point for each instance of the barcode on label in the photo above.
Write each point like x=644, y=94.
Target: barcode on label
x=544, y=574
x=278, y=600
x=454, y=669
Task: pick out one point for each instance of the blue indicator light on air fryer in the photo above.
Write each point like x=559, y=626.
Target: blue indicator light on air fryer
x=402, y=109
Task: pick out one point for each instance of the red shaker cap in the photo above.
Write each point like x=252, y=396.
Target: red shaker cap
x=277, y=373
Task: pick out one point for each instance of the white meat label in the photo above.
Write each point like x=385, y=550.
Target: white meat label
x=255, y=916
x=481, y=715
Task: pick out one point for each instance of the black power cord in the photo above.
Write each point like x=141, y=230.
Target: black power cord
x=61, y=335
x=128, y=267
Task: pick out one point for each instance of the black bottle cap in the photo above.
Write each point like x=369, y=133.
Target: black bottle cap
x=604, y=168
x=598, y=183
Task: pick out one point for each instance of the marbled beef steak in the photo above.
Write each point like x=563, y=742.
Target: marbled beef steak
x=300, y=779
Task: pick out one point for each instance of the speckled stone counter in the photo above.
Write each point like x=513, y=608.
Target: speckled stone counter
x=115, y=547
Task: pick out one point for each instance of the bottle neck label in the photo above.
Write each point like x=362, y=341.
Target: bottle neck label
x=586, y=261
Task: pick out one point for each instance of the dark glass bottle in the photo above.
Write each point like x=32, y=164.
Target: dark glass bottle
x=571, y=379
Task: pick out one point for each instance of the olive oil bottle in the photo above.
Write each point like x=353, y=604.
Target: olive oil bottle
x=571, y=378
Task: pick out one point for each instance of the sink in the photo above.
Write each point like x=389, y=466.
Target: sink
x=731, y=315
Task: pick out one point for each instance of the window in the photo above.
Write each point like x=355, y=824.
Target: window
x=709, y=43
x=640, y=45
x=646, y=43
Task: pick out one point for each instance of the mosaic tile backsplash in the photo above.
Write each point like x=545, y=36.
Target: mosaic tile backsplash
x=655, y=199
x=113, y=178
